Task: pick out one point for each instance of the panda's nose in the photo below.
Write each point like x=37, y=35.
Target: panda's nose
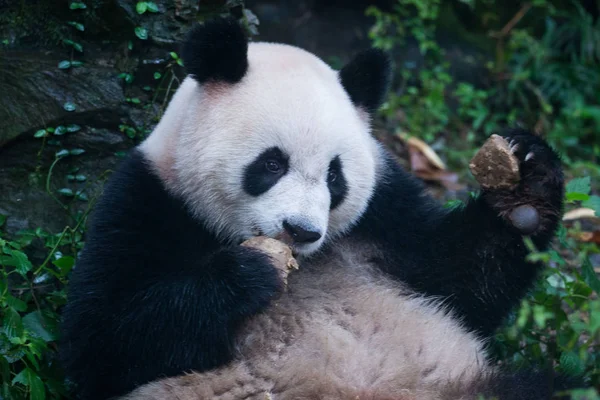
x=301, y=234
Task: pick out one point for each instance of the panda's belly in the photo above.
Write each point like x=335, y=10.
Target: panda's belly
x=340, y=332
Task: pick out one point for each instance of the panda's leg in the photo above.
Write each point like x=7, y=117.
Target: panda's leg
x=472, y=256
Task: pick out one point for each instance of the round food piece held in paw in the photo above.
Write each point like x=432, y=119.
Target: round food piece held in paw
x=280, y=253
x=495, y=166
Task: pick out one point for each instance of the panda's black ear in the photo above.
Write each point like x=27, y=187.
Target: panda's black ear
x=216, y=51
x=367, y=78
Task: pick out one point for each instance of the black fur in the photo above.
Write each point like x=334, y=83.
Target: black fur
x=470, y=257
x=153, y=293
x=336, y=182
x=525, y=385
x=258, y=178
x=367, y=78
x=216, y=51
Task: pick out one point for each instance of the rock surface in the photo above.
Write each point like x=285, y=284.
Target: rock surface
x=34, y=91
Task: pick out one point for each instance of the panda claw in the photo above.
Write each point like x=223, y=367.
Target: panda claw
x=529, y=156
x=514, y=147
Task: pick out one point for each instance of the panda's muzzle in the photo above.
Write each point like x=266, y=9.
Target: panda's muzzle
x=300, y=233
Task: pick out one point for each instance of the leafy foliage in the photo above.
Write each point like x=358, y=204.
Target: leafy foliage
x=31, y=293
x=541, y=71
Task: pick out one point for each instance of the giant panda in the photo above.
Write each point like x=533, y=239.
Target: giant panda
x=396, y=297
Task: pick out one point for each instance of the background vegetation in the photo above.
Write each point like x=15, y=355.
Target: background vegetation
x=535, y=64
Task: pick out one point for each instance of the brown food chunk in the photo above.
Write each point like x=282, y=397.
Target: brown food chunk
x=280, y=253
x=494, y=166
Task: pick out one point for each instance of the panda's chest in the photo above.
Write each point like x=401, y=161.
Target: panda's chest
x=341, y=320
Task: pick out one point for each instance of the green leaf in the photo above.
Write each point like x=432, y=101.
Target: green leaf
x=141, y=7
x=19, y=260
x=141, y=32
x=579, y=185
x=76, y=63
x=68, y=106
x=80, y=178
x=589, y=275
x=38, y=392
x=64, y=64
x=65, y=264
x=17, y=304
x=12, y=323
x=82, y=196
x=73, y=128
x=77, y=25
x=76, y=152
x=571, y=363
x=174, y=55
x=21, y=378
x=77, y=46
x=65, y=192
x=152, y=7
x=62, y=153
x=77, y=5
x=157, y=75
x=60, y=130
x=594, y=203
x=574, y=196
x=36, y=324
x=30, y=379
x=41, y=133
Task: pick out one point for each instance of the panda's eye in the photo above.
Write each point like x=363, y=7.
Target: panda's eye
x=331, y=176
x=336, y=182
x=272, y=166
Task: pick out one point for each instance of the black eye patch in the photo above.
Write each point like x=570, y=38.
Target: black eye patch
x=265, y=171
x=336, y=182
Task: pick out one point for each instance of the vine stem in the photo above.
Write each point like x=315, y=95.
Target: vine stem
x=48, y=177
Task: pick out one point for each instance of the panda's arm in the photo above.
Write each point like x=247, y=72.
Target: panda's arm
x=154, y=294
x=471, y=257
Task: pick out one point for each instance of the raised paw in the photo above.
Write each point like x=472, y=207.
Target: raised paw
x=534, y=203
x=540, y=169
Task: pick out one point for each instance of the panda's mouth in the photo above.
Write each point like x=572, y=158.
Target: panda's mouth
x=282, y=236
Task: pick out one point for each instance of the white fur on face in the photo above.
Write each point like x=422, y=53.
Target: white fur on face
x=288, y=99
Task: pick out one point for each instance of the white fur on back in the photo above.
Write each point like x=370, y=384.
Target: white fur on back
x=289, y=98
x=341, y=331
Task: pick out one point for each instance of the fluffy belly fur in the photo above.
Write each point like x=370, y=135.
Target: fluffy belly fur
x=341, y=331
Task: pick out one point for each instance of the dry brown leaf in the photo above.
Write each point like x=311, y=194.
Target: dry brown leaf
x=579, y=213
x=427, y=151
x=588, y=237
x=427, y=165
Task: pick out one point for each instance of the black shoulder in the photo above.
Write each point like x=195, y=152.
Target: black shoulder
x=399, y=205
x=137, y=218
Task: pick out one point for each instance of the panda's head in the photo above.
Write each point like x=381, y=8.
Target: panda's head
x=266, y=138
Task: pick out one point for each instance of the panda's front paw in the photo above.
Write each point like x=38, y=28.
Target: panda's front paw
x=248, y=278
x=280, y=253
x=534, y=204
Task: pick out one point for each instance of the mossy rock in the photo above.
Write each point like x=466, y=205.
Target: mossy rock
x=34, y=92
